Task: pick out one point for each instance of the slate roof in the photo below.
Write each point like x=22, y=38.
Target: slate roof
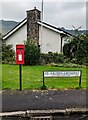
x=17, y=27
x=23, y=22
x=54, y=28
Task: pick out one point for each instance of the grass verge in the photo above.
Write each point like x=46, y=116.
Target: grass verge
x=32, y=77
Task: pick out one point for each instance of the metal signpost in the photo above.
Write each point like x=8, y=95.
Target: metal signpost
x=53, y=74
x=20, y=60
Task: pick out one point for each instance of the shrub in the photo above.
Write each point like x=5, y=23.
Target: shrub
x=52, y=58
x=59, y=58
x=32, y=53
x=8, y=54
x=77, y=49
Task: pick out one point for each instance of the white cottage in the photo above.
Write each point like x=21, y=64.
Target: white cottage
x=51, y=39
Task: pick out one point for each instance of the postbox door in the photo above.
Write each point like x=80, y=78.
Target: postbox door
x=20, y=56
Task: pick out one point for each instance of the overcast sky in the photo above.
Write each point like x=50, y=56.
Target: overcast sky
x=61, y=13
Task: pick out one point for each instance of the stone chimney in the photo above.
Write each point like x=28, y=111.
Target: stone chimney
x=33, y=16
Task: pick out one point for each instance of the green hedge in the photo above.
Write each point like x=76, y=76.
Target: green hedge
x=52, y=58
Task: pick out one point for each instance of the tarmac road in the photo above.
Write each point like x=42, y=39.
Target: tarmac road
x=43, y=100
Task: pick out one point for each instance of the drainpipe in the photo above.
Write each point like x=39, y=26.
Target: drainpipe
x=61, y=49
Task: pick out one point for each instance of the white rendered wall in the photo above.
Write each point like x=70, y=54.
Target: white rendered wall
x=50, y=40
x=18, y=37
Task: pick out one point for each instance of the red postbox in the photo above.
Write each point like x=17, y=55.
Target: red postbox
x=20, y=54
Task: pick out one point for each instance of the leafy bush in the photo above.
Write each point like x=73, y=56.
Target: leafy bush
x=52, y=58
x=0, y=50
x=8, y=54
x=77, y=49
x=32, y=53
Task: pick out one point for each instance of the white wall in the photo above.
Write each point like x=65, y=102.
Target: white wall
x=18, y=37
x=50, y=42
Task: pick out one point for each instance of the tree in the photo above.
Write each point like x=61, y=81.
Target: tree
x=77, y=49
x=32, y=53
x=0, y=48
x=8, y=54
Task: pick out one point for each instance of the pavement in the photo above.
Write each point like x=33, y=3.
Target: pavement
x=14, y=100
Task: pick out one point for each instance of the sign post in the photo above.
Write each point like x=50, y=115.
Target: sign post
x=20, y=60
x=55, y=74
